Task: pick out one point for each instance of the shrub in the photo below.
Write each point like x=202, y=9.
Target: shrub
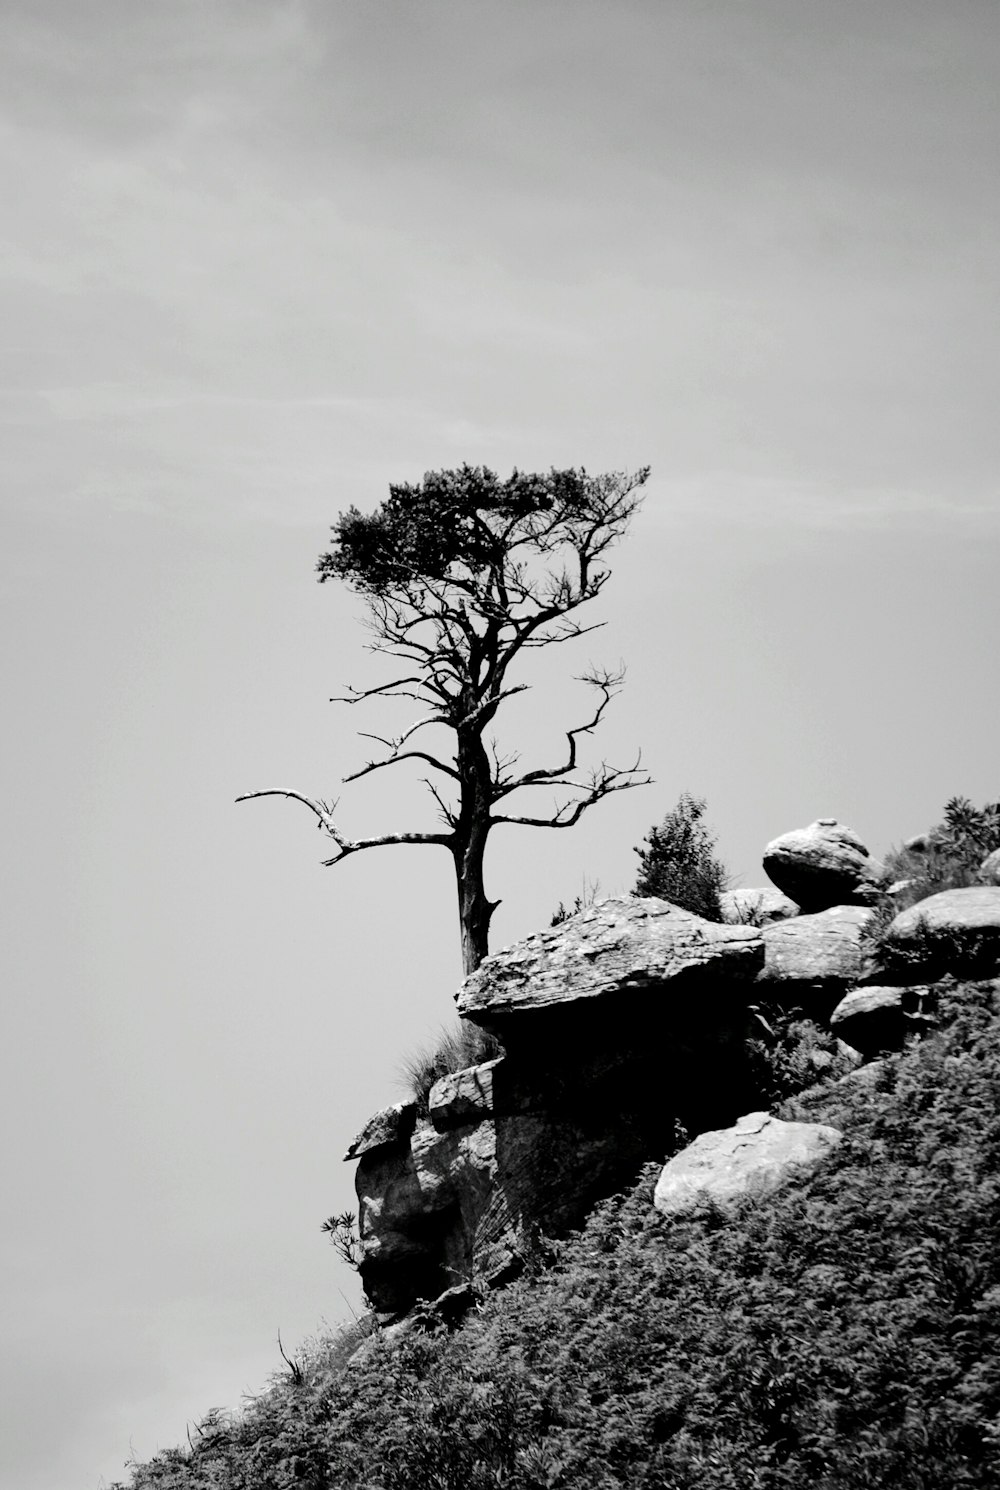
x=581, y=902
x=949, y=856
x=459, y=1047
x=789, y=1052
x=678, y=863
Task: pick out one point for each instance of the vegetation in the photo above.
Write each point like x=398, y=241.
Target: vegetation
x=678, y=863
x=456, y=1048
x=588, y=896
x=946, y=858
x=949, y=856
x=789, y=1052
x=840, y=1334
x=464, y=574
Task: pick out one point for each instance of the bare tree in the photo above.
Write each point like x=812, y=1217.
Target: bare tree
x=462, y=574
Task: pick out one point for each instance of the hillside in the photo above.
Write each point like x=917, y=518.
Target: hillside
x=842, y=1332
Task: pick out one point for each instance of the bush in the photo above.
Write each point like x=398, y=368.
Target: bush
x=464, y=1045
x=789, y=1052
x=949, y=856
x=678, y=863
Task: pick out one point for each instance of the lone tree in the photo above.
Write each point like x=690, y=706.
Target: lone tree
x=462, y=574
x=677, y=861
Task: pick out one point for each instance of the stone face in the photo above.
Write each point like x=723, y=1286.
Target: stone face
x=823, y=865
x=956, y=930
x=820, y=953
x=989, y=870
x=756, y=907
x=874, y=1020
x=626, y=954
x=393, y=1125
x=752, y=1158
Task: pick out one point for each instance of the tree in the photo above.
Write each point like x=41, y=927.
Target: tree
x=678, y=863
x=463, y=574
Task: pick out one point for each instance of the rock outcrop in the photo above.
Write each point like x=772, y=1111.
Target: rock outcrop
x=823, y=865
x=634, y=1021
x=953, y=931
x=619, y=959
x=812, y=960
x=874, y=1020
x=619, y=1024
x=753, y=1157
x=989, y=870
x=756, y=907
x=390, y=1126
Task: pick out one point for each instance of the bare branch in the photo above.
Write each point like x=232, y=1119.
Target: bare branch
x=603, y=783
x=607, y=683
x=387, y=840
x=324, y=812
x=402, y=755
x=394, y=689
x=447, y=815
x=488, y=705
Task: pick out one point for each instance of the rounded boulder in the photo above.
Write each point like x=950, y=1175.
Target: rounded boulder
x=823, y=865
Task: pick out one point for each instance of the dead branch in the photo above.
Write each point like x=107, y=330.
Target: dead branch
x=607, y=683
x=324, y=813
x=603, y=783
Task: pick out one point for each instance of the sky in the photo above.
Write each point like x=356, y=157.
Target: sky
x=259, y=259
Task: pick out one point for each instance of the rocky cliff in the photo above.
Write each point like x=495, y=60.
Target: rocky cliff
x=627, y=1032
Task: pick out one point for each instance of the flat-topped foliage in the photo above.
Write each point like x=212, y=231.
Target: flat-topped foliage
x=841, y=1334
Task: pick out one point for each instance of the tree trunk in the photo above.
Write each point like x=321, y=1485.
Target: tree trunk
x=475, y=911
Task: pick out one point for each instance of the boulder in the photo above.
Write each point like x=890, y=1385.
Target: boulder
x=989, y=870
x=823, y=865
x=756, y=907
x=814, y=957
x=752, y=1158
x=463, y=1096
x=874, y=1020
x=619, y=959
x=955, y=931
x=391, y=1126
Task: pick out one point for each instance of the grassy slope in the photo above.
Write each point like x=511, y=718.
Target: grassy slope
x=844, y=1333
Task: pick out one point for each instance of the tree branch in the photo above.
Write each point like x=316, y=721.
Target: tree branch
x=324, y=812
x=608, y=683
x=603, y=782
x=402, y=755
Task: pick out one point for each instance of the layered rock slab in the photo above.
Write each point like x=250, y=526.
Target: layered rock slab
x=628, y=951
x=754, y=1157
x=823, y=865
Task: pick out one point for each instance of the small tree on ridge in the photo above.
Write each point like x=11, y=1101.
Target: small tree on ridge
x=463, y=573
x=678, y=863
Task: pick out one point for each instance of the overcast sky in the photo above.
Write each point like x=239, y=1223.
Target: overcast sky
x=258, y=259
